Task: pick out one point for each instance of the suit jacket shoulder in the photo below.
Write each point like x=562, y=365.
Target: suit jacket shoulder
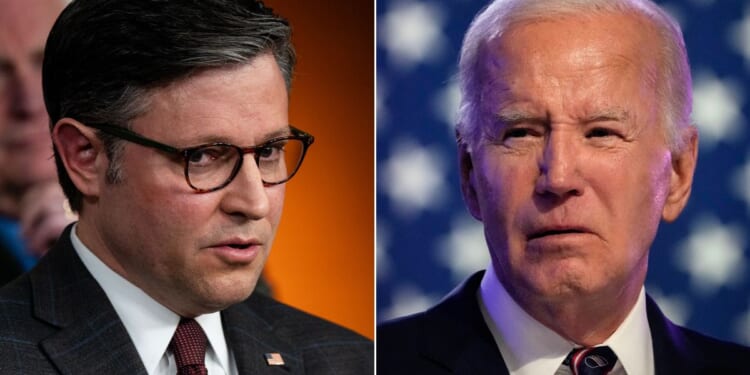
x=449, y=338
x=308, y=344
x=680, y=350
x=452, y=337
x=56, y=319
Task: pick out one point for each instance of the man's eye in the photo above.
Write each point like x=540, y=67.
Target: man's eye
x=209, y=155
x=599, y=132
x=264, y=152
x=270, y=152
x=199, y=157
x=517, y=133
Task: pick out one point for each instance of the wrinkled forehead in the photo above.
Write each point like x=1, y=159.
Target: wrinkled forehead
x=585, y=42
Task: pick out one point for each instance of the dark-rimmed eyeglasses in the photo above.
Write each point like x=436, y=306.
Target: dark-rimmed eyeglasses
x=212, y=166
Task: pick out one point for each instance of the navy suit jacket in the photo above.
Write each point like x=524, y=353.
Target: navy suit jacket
x=452, y=338
x=56, y=319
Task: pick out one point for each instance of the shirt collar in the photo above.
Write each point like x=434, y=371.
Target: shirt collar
x=528, y=347
x=149, y=324
x=632, y=340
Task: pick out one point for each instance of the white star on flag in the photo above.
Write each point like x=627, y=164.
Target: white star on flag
x=412, y=33
x=712, y=255
x=739, y=36
x=716, y=109
x=413, y=177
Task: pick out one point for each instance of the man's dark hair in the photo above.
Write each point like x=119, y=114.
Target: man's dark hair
x=103, y=58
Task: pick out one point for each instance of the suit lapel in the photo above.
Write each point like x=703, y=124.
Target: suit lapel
x=91, y=337
x=457, y=337
x=251, y=334
x=97, y=345
x=479, y=358
x=672, y=352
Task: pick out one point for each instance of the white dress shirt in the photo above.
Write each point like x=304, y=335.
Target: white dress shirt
x=530, y=348
x=151, y=325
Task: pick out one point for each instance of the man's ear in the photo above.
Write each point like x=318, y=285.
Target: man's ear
x=80, y=149
x=468, y=180
x=683, y=169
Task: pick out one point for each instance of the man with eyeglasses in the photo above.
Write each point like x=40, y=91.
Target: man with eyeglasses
x=170, y=126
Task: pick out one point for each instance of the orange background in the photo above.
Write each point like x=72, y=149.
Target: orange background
x=323, y=257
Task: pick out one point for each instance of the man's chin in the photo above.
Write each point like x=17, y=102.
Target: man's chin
x=228, y=293
x=560, y=286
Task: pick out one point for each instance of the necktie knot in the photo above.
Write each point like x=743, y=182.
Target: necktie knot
x=591, y=361
x=189, y=348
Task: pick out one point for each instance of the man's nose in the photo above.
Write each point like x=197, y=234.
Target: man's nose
x=559, y=167
x=246, y=195
x=24, y=87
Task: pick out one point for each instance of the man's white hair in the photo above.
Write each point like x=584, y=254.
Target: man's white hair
x=672, y=81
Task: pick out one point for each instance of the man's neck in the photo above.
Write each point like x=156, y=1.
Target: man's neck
x=586, y=321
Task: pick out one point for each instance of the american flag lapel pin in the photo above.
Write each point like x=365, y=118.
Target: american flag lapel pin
x=274, y=359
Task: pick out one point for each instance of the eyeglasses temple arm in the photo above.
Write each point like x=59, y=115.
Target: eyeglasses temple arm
x=135, y=138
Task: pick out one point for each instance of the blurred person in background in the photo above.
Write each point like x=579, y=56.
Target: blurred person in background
x=32, y=204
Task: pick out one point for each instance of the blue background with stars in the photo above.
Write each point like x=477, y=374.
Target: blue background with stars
x=426, y=241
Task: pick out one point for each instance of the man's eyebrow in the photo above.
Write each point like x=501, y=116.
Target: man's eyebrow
x=278, y=133
x=513, y=117
x=607, y=115
x=261, y=139
x=36, y=57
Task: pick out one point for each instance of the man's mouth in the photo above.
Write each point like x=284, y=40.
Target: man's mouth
x=238, y=251
x=240, y=246
x=545, y=232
